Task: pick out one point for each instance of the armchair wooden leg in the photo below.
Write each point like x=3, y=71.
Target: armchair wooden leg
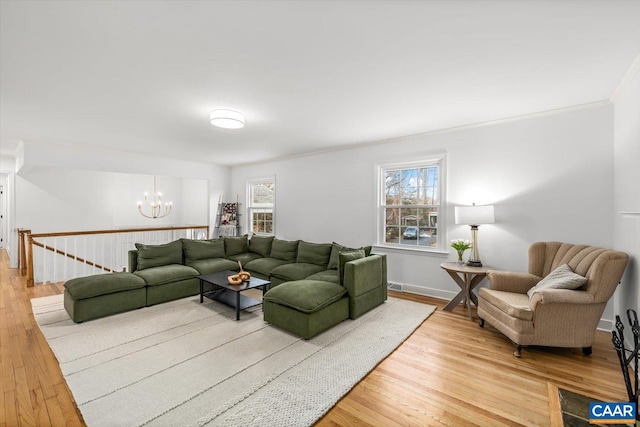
x=481, y=323
x=518, y=352
x=587, y=351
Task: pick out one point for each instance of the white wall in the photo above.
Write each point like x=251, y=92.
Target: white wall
x=549, y=177
x=63, y=188
x=627, y=189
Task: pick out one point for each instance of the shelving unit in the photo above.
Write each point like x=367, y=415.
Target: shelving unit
x=227, y=220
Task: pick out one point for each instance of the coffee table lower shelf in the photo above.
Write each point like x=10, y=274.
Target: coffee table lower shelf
x=231, y=294
x=232, y=299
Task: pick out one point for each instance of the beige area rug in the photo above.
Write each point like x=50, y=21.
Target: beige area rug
x=185, y=363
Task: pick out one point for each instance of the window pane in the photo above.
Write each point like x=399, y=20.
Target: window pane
x=392, y=234
x=261, y=220
x=392, y=216
x=409, y=216
x=428, y=185
x=262, y=193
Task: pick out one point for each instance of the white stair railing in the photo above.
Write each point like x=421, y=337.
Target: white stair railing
x=57, y=257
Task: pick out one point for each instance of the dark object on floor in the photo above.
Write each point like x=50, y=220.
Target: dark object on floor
x=618, y=344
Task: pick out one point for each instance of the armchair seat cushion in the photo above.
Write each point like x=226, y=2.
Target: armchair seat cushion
x=514, y=304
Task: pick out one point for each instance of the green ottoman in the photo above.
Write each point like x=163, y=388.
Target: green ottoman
x=100, y=295
x=306, y=307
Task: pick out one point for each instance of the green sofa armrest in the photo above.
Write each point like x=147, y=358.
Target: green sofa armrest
x=365, y=274
x=133, y=260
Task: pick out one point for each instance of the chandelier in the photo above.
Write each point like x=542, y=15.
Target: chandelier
x=158, y=210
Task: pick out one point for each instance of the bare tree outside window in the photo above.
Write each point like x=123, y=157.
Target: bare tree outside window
x=411, y=203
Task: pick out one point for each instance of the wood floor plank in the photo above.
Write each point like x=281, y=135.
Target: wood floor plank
x=54, y=411
x=10, y=408
x=555, y=409
x=39, y=408
x=449, y=372
x=23, y=399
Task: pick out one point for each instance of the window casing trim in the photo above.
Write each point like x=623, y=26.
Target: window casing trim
x=260, y=206
x=434, y=159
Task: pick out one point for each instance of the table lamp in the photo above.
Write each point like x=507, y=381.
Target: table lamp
x=474, y=216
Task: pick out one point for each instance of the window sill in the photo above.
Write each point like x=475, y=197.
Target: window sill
x=408, y=249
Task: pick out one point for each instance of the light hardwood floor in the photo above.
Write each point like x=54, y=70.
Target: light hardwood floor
x=450, y=372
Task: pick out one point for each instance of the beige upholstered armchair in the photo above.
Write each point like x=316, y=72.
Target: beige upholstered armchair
x=559, y=302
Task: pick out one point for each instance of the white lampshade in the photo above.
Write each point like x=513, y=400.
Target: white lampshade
x=474, y=215
x=228, y=119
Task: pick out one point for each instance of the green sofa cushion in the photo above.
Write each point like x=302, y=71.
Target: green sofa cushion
x=307, y=296
x=346, y=256
x=261, y=245
x=235, y=245
x=314, y=253
x=150, y=256
x=295, y=271
x=102, y=284
x=326, y=276
x=244, y=258
x=213, y=265
x=202, y=249
x=333, y=258
x=336, y=248
x=284, y=250
x=264, y=266
x=166, y=274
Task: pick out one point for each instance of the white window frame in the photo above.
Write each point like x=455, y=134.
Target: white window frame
x=427, y=160
x=261, y=206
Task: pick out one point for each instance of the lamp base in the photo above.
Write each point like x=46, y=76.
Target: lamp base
x=474, y=263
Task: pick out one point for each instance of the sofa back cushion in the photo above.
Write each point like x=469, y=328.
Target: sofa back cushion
x=333, y=259
x=150, y=256
x=284, y=250
x=346, y=256
x=314, y=253
x=236, y=245
x=261, y=245
x=195, y=250
x=335, y=251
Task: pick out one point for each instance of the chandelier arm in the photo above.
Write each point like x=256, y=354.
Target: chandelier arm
x=142, y=213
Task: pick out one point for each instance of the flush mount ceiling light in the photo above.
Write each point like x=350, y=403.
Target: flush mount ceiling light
x=228, y=119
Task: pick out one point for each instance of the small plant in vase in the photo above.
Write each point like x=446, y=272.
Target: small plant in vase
x=460, y=245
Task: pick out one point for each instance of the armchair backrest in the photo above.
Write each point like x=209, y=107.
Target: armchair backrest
x=603, y=268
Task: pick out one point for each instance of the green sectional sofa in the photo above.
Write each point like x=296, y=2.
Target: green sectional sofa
x=313, y=285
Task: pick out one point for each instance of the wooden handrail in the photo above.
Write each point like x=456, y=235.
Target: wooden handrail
x=74, y=257
x=122, y=230
x=27, y=259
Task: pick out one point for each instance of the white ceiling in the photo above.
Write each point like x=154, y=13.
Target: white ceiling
x=141, y=76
